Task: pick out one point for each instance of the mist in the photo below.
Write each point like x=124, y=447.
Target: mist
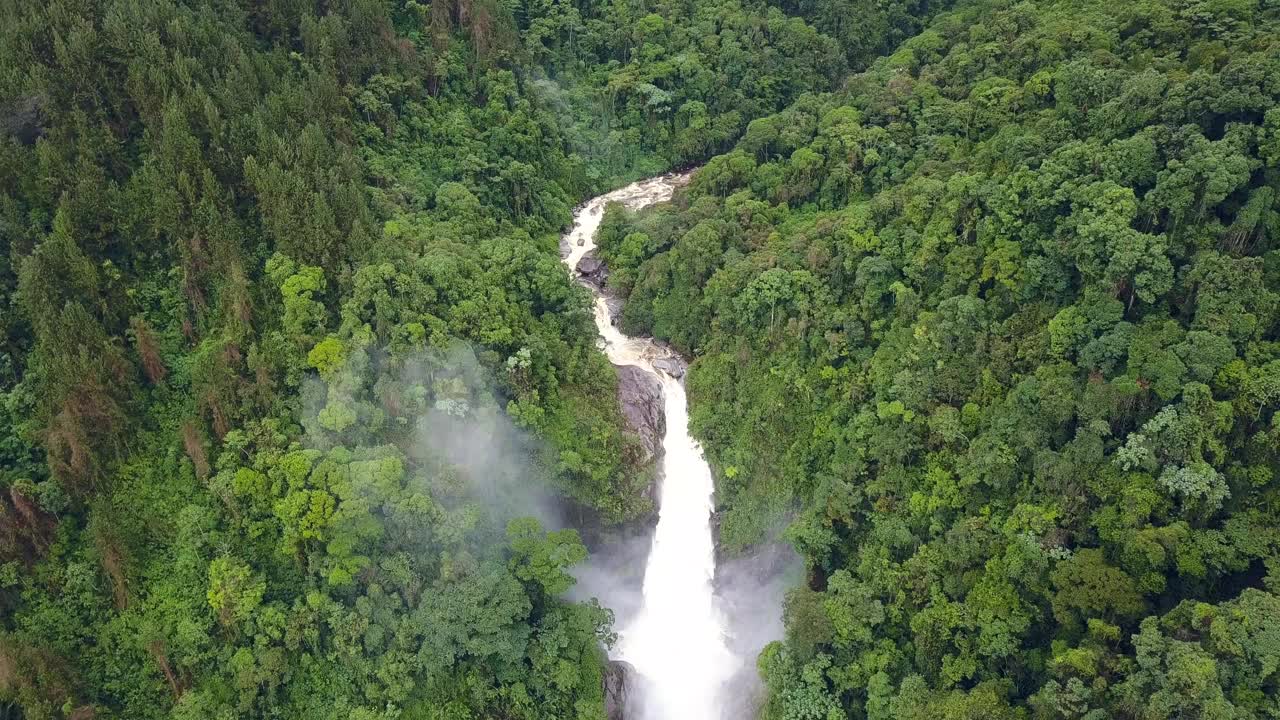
x=441, y=407
x=750, y=589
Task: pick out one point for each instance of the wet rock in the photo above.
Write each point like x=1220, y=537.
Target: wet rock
x=616, y=305
x=23, y=118
x=673, y=366
x=619, y=680
x=640, y=395
x=593, y=270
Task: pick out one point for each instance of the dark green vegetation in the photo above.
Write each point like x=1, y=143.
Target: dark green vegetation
x=275, y=278
x=998, y=325
x=993, y=328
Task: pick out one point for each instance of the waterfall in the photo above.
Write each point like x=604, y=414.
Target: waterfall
x=676, y=641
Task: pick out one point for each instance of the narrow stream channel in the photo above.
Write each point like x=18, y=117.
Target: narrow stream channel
x=677, y=640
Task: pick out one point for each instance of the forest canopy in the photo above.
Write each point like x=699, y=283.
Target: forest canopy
x=993, y=331
x=982, y=300
x=287, y=353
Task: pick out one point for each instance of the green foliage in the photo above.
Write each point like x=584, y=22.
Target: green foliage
x=264, y=263
x=542, y=560
x=646, y=87
x=992, y=326
x=234, y=594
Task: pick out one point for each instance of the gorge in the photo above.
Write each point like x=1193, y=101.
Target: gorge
x=301, y=415
x=676, y=641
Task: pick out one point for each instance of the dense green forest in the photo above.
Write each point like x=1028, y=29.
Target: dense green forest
x=268, y=268
x=983, y=303
x=993, y=331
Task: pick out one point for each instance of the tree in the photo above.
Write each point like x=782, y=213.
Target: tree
x=234, y=591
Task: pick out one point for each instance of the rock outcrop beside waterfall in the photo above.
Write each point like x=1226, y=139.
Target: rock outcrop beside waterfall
x=595, y=273
x=619, y=682
x=640, y=395
x=640, y=399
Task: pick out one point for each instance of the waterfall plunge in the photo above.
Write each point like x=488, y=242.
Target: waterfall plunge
x=676, y=641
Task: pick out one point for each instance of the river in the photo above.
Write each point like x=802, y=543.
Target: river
x=677, y=640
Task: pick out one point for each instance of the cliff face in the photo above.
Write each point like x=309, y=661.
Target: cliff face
x=640, y=395
x=618, y=685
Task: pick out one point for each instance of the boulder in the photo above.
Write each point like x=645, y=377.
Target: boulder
x=593, y=270
x=673, y=366
x=640, y=395
x=618, y=684
x=616, y=306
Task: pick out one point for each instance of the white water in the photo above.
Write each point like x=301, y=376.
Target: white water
x=676, y=641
